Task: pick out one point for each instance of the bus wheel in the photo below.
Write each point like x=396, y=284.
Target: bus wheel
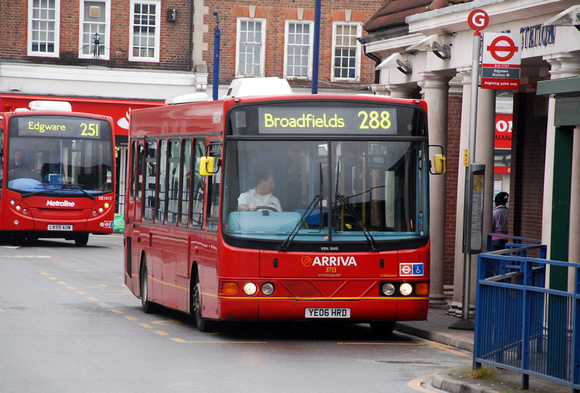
x=203, y=325
x=148, y=306
x=382, y=329
x=82, y=239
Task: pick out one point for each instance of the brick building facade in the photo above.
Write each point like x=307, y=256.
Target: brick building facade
x=258, y=38
x=340, y=23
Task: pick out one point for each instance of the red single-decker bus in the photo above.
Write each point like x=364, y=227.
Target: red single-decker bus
x=284, y=207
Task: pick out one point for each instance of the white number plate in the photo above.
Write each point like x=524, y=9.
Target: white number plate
x=59, y=227
x=327, y=313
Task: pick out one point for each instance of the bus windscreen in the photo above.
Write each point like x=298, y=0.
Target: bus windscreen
x=60, y=154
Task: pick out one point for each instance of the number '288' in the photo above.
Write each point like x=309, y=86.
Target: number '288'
x=375, y=120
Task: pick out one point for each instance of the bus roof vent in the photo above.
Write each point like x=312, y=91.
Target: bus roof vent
x=253, y=87
x=60, y=106
x=187, y=98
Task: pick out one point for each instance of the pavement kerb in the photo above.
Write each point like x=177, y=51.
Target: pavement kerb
x=439, y=337
x=451, y=385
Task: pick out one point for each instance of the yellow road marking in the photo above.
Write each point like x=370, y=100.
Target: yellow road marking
x=415, y=343
x=416, y=383
x=453, y=351
x=165, y=322
x=179, y=340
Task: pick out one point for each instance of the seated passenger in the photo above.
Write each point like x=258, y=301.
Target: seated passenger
x=260, y=198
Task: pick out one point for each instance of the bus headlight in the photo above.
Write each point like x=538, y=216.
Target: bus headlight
x=250, y=288
x=406, y=289
x=388, y=289
x=267, y=288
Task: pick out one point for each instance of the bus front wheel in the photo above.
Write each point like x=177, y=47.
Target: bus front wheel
x=203, y=325
x=82, y=239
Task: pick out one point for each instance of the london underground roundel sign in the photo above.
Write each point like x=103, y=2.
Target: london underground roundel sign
x=478, y=20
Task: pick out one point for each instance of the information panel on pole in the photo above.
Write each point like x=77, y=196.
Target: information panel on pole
x=501, y=62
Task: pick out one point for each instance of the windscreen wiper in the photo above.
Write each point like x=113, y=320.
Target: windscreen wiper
x=31, y=193
x=74, y=186
x=342, y=199
x=317, y=200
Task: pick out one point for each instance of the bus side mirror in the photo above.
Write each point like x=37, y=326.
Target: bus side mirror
x=440, y=162
x=208, y=165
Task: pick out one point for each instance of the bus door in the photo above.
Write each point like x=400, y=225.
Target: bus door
x=207, y=259
x=133, y=213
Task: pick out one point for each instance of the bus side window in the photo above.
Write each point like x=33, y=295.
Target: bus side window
x=139, y=172
x=185, y=182
x=132, y=172
x=150, y=177
x=173, y=182
x=198, y=186
x=213, y=190
x=162, y=183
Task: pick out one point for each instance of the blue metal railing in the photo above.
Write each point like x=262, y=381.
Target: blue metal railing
x=520, y=324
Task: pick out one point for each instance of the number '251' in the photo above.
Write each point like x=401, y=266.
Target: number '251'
x=91, y=129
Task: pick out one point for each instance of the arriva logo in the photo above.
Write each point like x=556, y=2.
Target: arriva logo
x=59, y=203
x=329, y=261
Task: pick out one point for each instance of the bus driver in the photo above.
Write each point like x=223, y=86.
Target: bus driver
x=260, y=198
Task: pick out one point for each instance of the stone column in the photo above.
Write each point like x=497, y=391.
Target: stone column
x=435, y=89
x=400, y=91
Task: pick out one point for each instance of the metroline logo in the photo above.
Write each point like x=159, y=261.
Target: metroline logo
x=328, y=261
x=52, y=203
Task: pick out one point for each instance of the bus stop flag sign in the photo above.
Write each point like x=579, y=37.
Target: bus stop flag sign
x=501, y=63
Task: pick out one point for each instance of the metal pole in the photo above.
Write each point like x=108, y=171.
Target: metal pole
x=216, y=56
x=316, y=47
x=465, y=323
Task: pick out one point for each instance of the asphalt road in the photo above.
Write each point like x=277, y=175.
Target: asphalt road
x=68, y=324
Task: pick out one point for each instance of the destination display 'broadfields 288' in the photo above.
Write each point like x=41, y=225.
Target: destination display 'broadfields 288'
x=281, y=207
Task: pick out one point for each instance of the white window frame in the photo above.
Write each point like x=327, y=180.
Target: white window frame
x=310, y=23
x=56, y=32
x=262, y=44
x=105, y=40
x=358, y=26
x=157, y=40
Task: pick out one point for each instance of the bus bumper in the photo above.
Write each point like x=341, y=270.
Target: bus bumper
x=356, y=310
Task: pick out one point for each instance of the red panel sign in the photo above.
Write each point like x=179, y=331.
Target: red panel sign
x=503, y=131
x=119, y=110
